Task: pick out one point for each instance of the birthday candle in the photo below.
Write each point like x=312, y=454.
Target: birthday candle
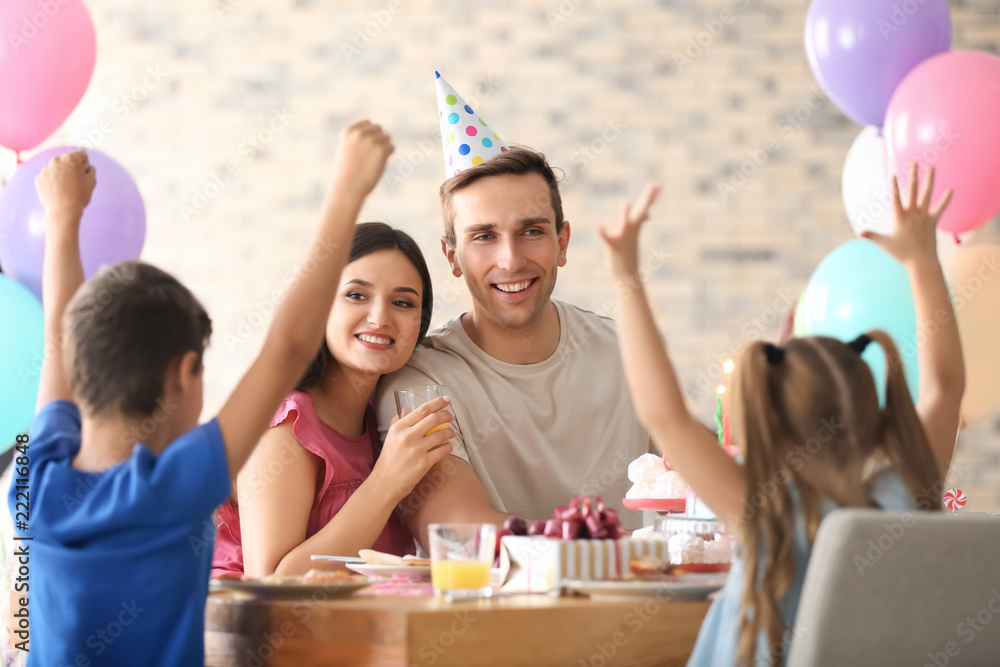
x=727, y=368
x=719, y=417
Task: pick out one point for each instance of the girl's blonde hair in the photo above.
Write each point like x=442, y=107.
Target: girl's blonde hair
x=812, y=398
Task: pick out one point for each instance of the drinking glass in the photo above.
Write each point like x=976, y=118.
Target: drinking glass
x=461, y=558
x=408, y=400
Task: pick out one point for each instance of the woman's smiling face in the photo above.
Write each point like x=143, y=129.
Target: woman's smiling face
x=375, y=320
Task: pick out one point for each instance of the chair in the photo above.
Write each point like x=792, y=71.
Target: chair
x=914, y=589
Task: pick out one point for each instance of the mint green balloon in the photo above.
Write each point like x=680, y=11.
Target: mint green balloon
x=22, y=344
x=856, y=288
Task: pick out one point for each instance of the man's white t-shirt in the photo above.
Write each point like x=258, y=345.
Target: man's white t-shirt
x=536, y=434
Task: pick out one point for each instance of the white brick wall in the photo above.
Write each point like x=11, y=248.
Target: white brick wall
x=551, y=84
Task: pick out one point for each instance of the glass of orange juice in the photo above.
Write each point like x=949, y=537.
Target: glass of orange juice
x=408, y=400
x=461, y=557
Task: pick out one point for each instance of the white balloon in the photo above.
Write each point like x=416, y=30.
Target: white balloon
x=865, y=184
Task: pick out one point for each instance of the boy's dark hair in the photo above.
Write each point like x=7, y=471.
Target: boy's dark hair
x=519, y=160
x=123, y=328
x=370, y=237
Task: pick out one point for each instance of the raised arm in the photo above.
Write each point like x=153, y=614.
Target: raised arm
x=913, y=243
x=299, y=322
x=689, y=447
x=64, y=188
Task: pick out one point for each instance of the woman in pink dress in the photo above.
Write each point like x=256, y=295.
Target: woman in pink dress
x=318, y=482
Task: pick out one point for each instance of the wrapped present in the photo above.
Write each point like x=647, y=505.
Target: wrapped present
x=537, y=564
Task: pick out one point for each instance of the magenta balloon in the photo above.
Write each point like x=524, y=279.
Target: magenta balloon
x=944, y=114
x=860, y=50
x=113, y=228
x=47, y=52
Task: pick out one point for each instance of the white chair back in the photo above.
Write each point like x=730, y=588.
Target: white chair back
x=918, y=589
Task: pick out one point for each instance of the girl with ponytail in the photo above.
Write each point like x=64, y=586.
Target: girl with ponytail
x=807, y=420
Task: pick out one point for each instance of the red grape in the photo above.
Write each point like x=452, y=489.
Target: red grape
x=516, y=525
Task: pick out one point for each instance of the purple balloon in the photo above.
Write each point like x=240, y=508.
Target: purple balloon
x=860, y=50
x=113, y=227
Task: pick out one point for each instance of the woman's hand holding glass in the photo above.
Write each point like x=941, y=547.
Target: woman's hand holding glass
x=415, y=443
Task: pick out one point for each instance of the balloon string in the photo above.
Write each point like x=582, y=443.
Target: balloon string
x=958, y=241
x=19, y=160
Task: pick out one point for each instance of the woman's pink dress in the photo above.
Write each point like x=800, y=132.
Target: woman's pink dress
x=347, y=463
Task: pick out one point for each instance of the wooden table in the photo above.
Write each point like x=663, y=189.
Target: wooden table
x=397, y=630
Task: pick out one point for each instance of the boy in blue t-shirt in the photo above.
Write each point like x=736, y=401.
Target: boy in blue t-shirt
x=122, y=480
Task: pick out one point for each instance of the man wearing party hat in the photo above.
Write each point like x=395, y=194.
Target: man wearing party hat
x=543, y=411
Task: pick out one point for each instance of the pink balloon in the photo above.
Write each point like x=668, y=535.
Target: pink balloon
x=944, y=114
x=47, y=53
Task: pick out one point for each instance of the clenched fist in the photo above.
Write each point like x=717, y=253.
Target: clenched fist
x=65, y=186
x=362, y=151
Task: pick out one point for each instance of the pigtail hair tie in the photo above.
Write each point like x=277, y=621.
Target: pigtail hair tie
x=860, y=343
x=775, y=355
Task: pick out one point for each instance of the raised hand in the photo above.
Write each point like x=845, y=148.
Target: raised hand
x=65, y=186
x=413, y=445
x=362, y=151
x=912, y=239
x=622, y=241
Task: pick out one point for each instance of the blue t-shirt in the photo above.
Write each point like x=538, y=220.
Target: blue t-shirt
x=718, y=640
x=120, y=558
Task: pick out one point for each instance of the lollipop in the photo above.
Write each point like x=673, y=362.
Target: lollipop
x=954, y=499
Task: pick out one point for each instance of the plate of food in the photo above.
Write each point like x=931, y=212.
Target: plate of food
x=679, y=587
x=411, y=572
x=389, y=566
x=652, y=569
x=656, y=504
x=333, y=584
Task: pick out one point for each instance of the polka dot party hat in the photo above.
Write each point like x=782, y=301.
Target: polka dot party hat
x=466, y=138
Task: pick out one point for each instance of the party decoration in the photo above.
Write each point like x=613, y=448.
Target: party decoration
x=944, y=115
x=585, y=519
x=860, y=50
x=954, y=499
x=865, y=186
x=856, y=288
x=466, y=138
x=22, y=346
x=47, y=55
x=113, y=227
x=976, y=288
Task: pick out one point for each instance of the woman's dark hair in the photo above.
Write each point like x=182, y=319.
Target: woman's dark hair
x=370, y=237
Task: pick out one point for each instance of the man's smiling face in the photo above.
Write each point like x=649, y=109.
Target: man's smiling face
x=507, y=247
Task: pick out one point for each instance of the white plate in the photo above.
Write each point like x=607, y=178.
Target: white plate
x=682, y=587
x=336, y=559
x=412, y=572
x=332, y=589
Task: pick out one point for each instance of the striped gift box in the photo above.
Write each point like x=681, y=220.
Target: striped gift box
x=541, y=564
